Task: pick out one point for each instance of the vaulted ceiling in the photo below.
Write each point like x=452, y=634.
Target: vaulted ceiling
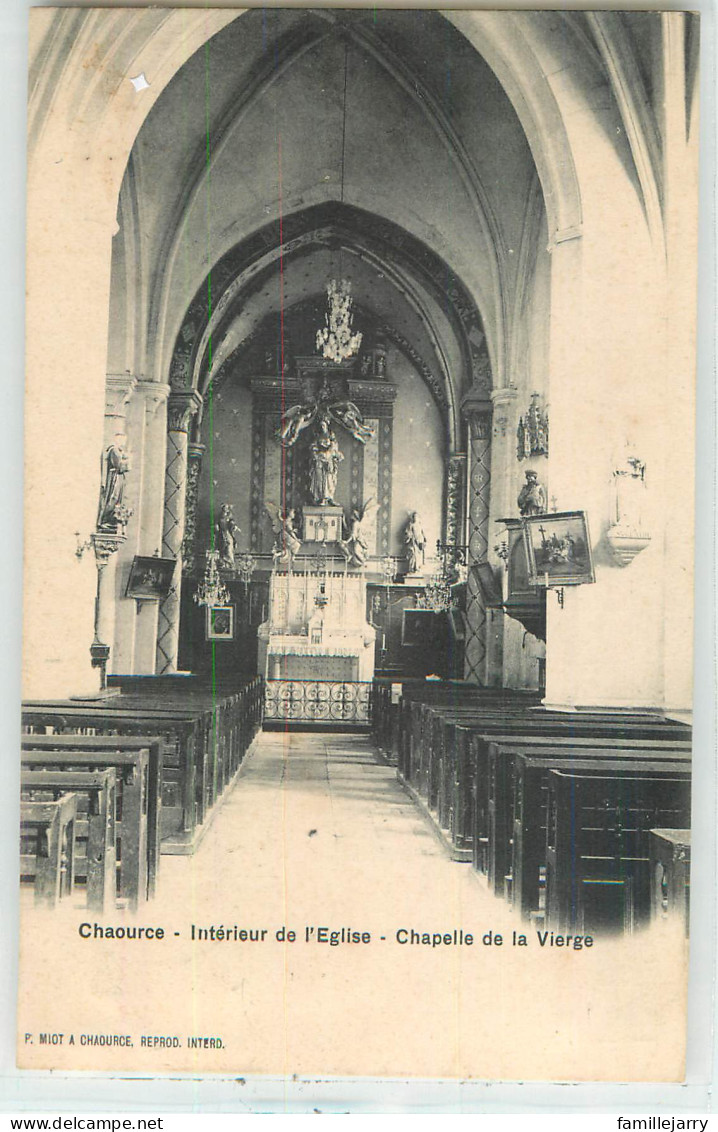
x=297, y=143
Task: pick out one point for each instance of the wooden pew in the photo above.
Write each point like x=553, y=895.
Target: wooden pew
x=669, y=853
x=518, y=800
x=159, y=751
x=47, y=847
x=131, y=806
x=597, y=852
x=460, y=744
x=185, y=762
x=206, y=738
x=95, y=791
x=453, y=753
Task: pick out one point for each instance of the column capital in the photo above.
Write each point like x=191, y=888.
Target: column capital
x=476, y=402
x=105, y=545
x=154, y=393
x=504, y=394
x=181, y=408
x=118, y=390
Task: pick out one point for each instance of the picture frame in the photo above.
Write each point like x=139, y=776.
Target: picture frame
x=558, y=549
x=219, y=624
x=150, y=578
x=417, y=626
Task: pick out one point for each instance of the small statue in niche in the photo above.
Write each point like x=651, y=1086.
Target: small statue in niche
x=355, y=547
x=629, y=483
x=227, y=531
x=532, y=497
x=287, y=542
x=326, y=458
x=112, y=514
x=414, y=542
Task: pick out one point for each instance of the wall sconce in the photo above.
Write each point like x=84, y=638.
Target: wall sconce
x=82, y=546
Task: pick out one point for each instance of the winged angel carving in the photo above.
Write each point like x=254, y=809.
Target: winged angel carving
x=286, y=540
x=345, y=413
x=355, y=547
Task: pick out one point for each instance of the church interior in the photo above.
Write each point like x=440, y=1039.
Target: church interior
x=362, y=346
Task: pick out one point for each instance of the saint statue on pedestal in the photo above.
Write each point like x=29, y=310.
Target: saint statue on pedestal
x=415, y=542
x=532, y=497
x=227, y=531
x=111, y=514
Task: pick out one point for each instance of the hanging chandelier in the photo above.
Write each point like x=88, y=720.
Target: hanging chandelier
x=437, y=596
x=211, y=590
x=335, y=339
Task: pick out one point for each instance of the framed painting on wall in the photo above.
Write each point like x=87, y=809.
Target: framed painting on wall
x=558, y=549
x=150, y=577
x=220, y=623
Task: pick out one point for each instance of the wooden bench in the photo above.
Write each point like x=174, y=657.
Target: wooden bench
x=597, y=852
x=669, y=852
x=47, y=847
x=451, y=770
x=159, y=752
x=205, y=740
x=518, y=801
x=461, y=744
x=94, y=829
x=184, y=771
x=132, y=778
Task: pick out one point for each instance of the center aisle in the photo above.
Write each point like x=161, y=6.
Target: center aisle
x=322, y=820
x=318, y=834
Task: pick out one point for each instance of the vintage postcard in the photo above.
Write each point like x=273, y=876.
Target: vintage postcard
x=358, y=613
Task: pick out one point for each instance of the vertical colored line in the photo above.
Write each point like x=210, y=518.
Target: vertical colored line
x=282, y=395
x=210, y=391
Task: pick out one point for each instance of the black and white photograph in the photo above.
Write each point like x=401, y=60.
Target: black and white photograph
x=358, y=601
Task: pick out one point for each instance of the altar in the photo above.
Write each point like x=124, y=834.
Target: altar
x=316, y=647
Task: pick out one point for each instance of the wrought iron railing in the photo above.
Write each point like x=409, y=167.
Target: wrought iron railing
x=325, y=702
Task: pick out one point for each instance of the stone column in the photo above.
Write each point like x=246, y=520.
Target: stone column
x=455, y=519
x=145, y=495
x=190, y=560
x=119, y=388
x=181, y=409
x=503, y=504
x=152, y=516
x=105, y=546
x=476, y=407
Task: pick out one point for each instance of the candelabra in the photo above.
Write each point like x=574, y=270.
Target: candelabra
x=211, y=589
x=246, y=566
x=336, y=339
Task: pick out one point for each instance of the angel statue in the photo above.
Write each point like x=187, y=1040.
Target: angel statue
x=227, y=531
x=286, y=541
x=345, y=413
x=348, y=415
x=355, y=547
x=294, y=421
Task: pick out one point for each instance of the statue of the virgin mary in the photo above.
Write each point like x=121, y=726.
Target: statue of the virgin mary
x=326, y=458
